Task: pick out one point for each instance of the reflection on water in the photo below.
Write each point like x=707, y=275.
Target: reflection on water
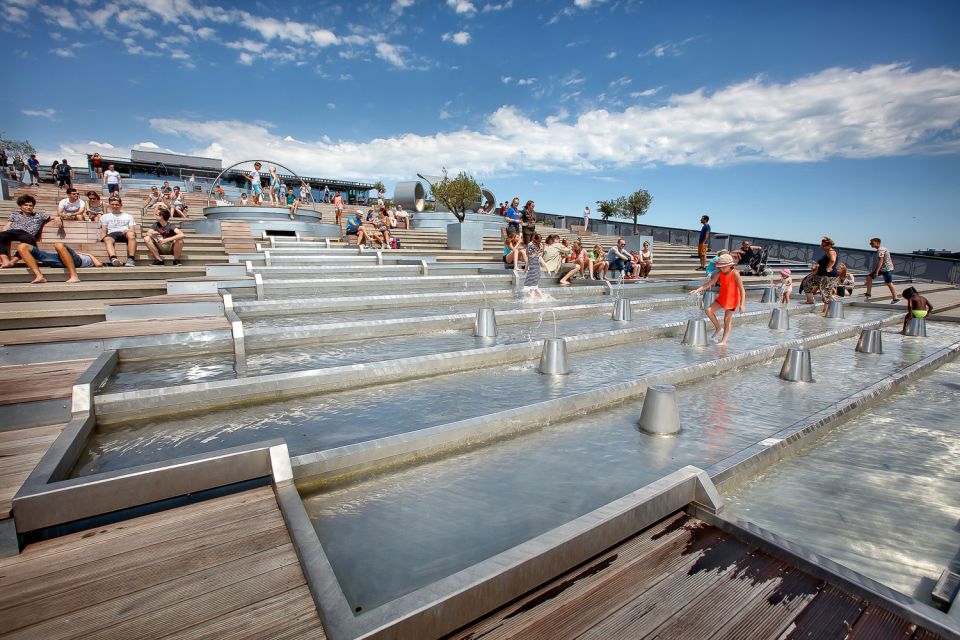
x=878, y=494
x=391, y=534
x=318, y=422
x=591, y=296
x=148, y=374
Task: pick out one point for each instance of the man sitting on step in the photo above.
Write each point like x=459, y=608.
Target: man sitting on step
x=118, y=226
x=164, y=238
x=64, y=258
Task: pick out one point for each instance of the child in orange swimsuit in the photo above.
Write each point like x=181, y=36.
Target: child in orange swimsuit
x=730, y=299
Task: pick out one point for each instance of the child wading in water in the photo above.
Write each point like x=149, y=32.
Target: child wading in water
x=730, y=299
x=917, y=306
x=785, y=286
x=531, y=284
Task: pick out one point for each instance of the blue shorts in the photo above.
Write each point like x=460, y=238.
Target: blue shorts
x=257, y=190
x=52, y=259
x=619, y=264
x=886, y=275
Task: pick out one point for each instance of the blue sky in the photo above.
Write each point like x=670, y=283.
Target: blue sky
x=789, y=120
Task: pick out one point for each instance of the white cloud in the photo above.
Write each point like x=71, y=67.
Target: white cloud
x=145, y=145
x=59, y=16
x=399, y=5
x=14, y=14
x=522, y=82
x=611, y=55
x=664, y=49
x=444, y=114
x=460, y=37
x=63, y=53
x=392, y=54
x=245, y=58
x=40, y=113
x=247, y=45
x=331, y=106
x=620, y=82
x=205, y=33
x=487, y=8
x=646, y=93
x=506, y=79
x=837, y=113
x=462, y=6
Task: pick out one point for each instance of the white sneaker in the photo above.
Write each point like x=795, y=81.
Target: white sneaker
x=131, y=262
x=115, y=261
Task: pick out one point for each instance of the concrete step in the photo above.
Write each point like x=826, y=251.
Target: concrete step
x=52, y=313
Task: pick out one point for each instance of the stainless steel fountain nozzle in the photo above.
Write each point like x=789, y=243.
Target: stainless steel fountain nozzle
x=779, y=319
x=553, y=359
x=835, y=309
x=695, y=334
x=486, y=323
x=870, y=341
x=917, y=327
x=660, y=414
x=622, y=311
x=797, y=366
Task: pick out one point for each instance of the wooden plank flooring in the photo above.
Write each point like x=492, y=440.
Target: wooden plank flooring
x=223, y=568
x=684, y=579
x=44, y=381
x=114, y=329
x=20, y=451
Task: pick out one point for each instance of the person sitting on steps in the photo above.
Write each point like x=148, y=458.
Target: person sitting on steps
x=164, y=238
x=64, y=257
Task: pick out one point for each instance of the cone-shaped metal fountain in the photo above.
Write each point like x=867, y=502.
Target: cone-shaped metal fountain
x=553, y=359
x=779, y=319
x=769, y=295
x=916, y=327
x=695, y=334
x=622, y=311
x=486, y=323
x=660, y=415
x=797, y=365
x=870, y=341
x=835, y=309
x=708, y=297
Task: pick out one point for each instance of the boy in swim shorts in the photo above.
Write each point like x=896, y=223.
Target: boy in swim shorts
x=731, y=297
x=917, y=306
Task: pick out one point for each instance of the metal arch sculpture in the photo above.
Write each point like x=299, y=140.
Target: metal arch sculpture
x=216, y=181
x=410, y=195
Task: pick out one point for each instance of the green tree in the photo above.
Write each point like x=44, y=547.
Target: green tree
x=456, y=194
x=630, y=207
x=23, y=147
x=378, y=186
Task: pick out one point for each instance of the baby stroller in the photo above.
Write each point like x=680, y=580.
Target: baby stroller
x=758, y=262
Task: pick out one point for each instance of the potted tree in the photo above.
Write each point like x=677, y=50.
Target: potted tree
x=631, y=207
x=458, y=195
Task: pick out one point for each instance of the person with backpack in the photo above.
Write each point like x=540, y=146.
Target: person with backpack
x=64, y=175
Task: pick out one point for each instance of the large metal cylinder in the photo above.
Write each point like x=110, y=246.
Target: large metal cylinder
x=708, y=298
x=660, y=414
x=769, y=295
x=410, y=195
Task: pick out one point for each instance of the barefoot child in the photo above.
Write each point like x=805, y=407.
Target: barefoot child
x=730, y=299
x=917, y=306
x=531, y=283
x=784, y=286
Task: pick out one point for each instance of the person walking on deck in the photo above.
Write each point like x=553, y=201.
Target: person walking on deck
x=703, y=242
x=882, y=269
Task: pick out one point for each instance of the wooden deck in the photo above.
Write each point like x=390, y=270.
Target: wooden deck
x=685, y=579
x=224, y=568
x=114, y=329
x=43, y=381
x=20, y=451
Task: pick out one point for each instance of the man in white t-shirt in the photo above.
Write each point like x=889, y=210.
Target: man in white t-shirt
x=118, y=226
x=402, y=216
x=72, y=207
x=112, y=180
